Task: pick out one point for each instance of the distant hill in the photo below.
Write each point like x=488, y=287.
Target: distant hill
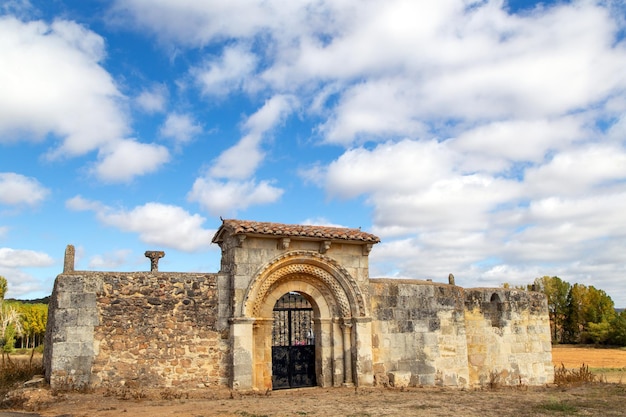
x=45, y=300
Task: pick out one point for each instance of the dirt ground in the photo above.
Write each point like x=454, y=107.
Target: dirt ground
x=606, y=399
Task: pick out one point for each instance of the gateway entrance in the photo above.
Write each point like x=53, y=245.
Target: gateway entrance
x=293, y=343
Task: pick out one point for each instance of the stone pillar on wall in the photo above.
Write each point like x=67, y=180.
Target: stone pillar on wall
x=363, y=351
x=346, y=328
x=242, y=344
x=70, y=348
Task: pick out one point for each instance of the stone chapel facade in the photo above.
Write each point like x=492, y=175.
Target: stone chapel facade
x=292, y=305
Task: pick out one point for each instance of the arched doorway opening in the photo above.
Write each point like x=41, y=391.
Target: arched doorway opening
x=293, y=342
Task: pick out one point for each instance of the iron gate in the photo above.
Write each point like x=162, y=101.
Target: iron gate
x=293, y=343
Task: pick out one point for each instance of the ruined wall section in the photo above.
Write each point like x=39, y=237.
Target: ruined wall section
x=148, y=329
x=69, y=347
x=508, y=337
x=418, y=333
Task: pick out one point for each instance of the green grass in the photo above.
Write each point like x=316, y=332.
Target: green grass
x=557, y=406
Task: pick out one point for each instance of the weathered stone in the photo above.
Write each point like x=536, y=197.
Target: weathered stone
x=157, y=329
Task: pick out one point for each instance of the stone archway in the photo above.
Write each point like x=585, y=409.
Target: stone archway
x=337, y=303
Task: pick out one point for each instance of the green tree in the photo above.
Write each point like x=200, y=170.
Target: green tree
x=556, y=290
x=617, y=334
x=3, y=287
x=589, y=314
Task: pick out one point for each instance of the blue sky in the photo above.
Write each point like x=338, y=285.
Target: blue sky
x=480, y=138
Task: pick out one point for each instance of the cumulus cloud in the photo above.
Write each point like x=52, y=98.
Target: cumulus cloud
x=242, y=160
x=226, y=197
x=155, y=223
x=125, y=159
x=153, y=100
x=19, y=258
x=180, y=127
x=484, y=141
x=18, y=189
x=52, y=82
x=110, y=260
x=227, y=73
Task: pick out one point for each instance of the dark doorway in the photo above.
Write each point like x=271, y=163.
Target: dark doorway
x=293, y=343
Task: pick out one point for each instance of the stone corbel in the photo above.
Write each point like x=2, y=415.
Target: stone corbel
x=240, y=239
x=324, y=246
x=284, y=243
x=367, y=248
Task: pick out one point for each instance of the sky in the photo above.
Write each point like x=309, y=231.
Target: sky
x=481, y=138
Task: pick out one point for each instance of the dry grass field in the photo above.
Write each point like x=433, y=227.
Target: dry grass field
x=607, y=364
x=572, y=399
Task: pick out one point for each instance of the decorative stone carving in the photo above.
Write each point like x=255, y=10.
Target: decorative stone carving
x=154, y=256
x=367, y=248
x=284, y=243
x=324, y=246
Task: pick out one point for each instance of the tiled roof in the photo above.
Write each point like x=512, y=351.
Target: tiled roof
x=245, y=227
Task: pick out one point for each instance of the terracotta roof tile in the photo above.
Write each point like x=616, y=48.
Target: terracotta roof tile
x=286, y=230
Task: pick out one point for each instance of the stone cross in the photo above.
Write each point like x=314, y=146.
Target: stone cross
x=154, y=256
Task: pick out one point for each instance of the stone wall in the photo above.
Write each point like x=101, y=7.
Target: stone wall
x=418, y=333
x=145, y=328
x=508, y=337
x=162, y=329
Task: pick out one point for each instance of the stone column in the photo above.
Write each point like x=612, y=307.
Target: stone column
x=68, y=262
x=346, y=328
x=242, y=345
x=262, y=378
x=154, y=256
x=363, y=351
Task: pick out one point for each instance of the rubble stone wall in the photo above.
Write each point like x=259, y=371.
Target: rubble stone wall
x=143, y=329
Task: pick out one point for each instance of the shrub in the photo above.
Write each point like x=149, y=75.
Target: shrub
x=564, y=376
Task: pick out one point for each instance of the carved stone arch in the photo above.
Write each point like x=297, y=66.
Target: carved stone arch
x=347, y=297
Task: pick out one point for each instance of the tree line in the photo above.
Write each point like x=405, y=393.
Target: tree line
x=22, y=324
x=580, y=313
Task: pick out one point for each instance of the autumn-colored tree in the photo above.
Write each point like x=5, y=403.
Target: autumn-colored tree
x=589, y=314
x=556, y=291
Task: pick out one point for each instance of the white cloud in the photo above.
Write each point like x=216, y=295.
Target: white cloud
x=110, y=260
x=579, y=171
x=20, y=258
x=225, y=197
x=21, y=283
x=242, y=160
x=486, y=142
x=219, y=76
x=155, y=223
x=52, y=82
x=180, y=127
x=125, y=159
x=19, y=189
x=153, y=100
